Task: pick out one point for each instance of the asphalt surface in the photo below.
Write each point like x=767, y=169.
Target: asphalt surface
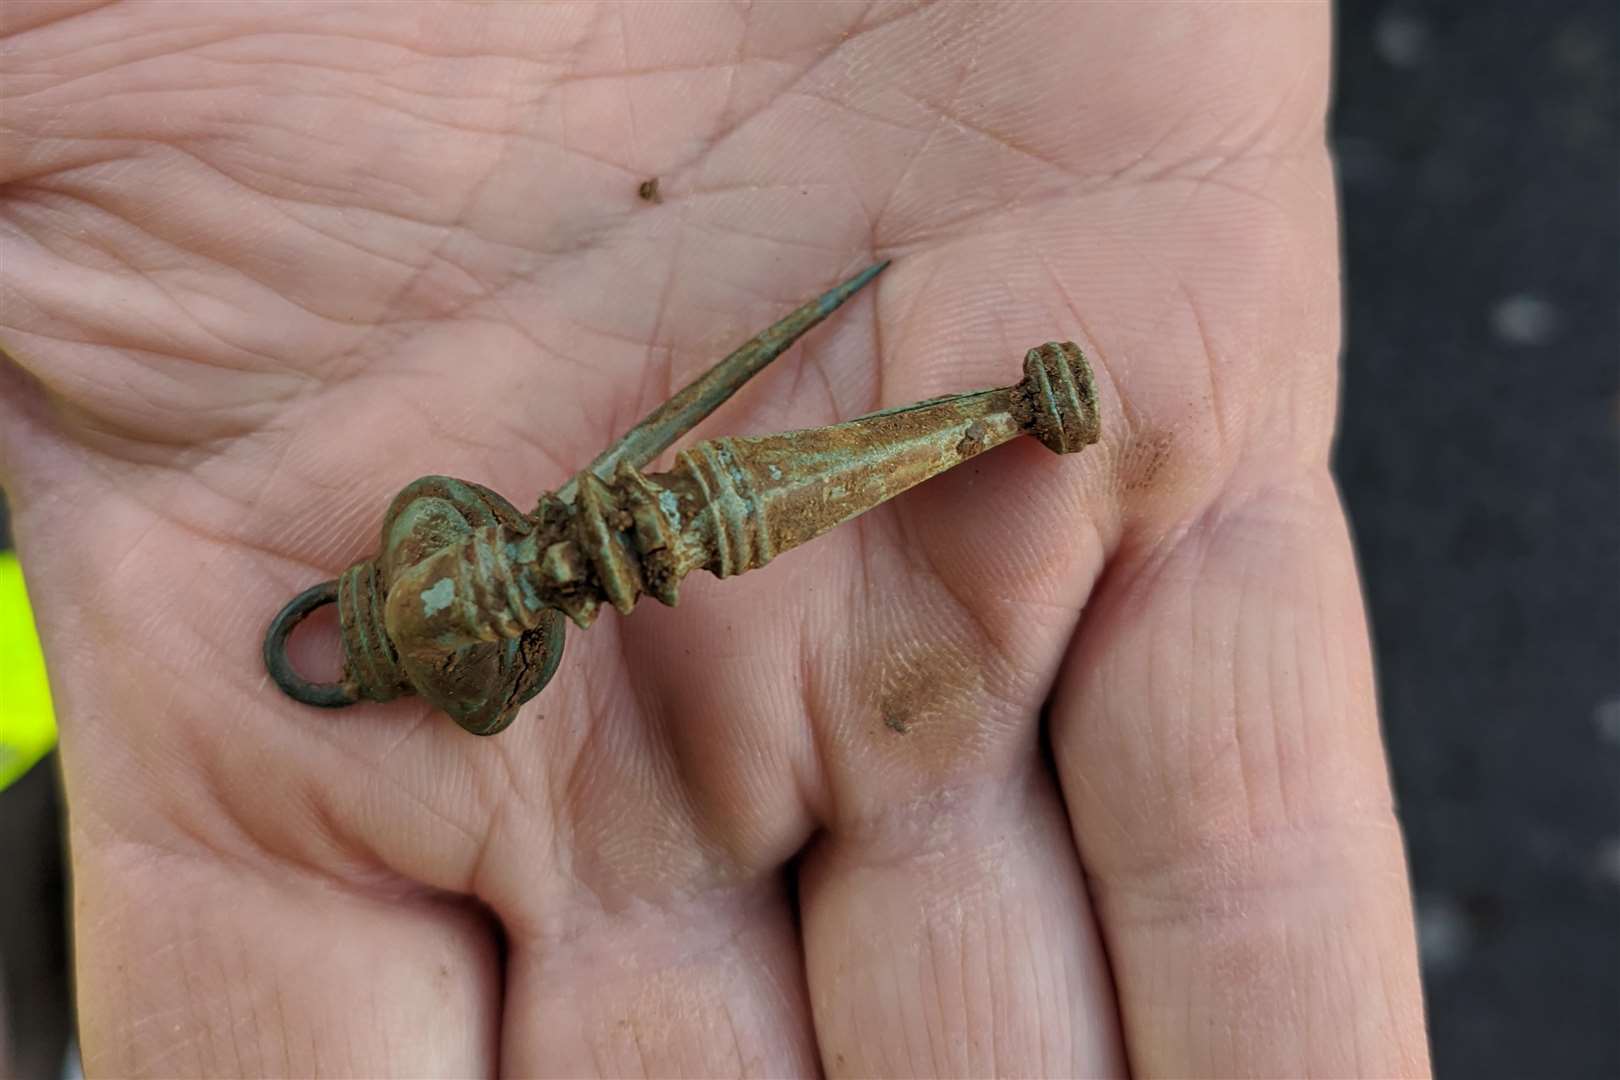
x=1479, y=149
x=1479, y=456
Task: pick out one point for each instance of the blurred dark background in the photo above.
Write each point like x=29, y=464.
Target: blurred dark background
x=1479, y=153
x=1479, y=163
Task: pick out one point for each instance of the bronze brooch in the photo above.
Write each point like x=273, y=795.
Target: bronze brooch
x=465, y=603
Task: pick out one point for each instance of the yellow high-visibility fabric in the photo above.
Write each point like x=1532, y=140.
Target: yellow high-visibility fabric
x=27, y=724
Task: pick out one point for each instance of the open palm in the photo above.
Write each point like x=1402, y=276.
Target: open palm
x=1053, y=765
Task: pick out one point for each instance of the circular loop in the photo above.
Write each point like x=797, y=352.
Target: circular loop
x=325, y=695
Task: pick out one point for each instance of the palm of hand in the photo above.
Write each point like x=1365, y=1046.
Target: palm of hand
x=269, y=265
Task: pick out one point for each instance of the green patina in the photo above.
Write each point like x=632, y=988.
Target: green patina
x=439, y=597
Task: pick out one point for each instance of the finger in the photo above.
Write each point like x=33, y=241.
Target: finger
x=189, y=967
x=640, y=945
x=710, y=986
x=639, y=942
x=955, y=939
x=1217, y=740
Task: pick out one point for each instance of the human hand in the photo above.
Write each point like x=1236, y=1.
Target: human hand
x=877, y=809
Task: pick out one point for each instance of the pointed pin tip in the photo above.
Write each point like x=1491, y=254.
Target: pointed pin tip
x=870, y=272
x=839, y=293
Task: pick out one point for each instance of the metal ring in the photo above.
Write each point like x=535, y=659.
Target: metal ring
x=333, y=695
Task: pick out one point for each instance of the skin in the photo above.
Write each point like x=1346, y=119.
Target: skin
x=1066, y=766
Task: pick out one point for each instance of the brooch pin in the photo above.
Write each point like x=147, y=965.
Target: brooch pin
x=464, y=604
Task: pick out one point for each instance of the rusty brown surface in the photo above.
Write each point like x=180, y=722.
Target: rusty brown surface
x=464, y=605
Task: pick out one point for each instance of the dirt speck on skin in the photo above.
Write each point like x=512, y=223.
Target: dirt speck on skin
x=648, y=191
x=1146, y=459
x=923, y=686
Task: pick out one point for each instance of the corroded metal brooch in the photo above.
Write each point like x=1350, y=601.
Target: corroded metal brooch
x=464, y=604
